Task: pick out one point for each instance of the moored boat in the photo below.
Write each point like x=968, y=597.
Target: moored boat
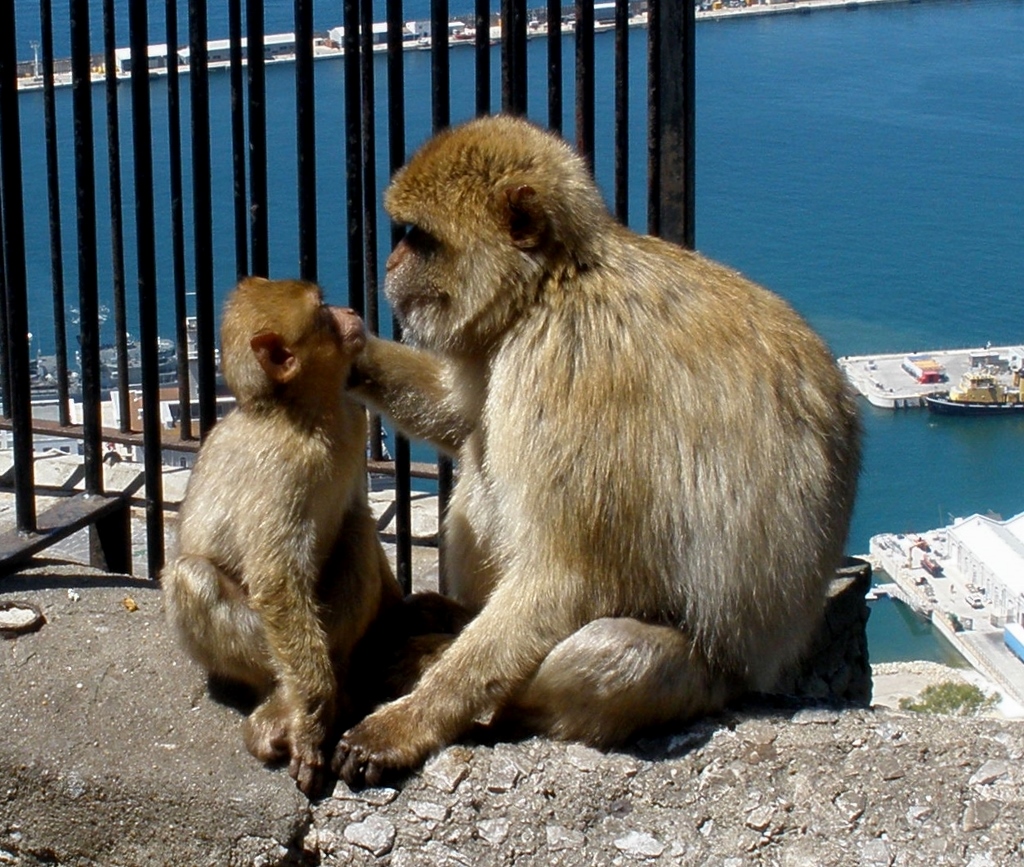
x=980, y=393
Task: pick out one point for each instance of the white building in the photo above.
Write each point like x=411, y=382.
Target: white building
x=990, y=554
x=158, y=58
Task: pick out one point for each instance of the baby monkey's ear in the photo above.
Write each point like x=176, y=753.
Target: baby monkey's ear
x=275, y=357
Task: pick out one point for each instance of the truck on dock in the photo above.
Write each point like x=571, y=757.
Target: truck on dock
x=1013, y=637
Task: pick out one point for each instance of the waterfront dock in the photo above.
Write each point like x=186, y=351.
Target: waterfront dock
x=890, y=382
x=975, y=632
x=280, y=47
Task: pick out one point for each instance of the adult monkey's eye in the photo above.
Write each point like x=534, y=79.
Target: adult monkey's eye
x=421, y=240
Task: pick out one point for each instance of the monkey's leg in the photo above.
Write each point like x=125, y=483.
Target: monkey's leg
x=402, y=643
x=217, y=625
x=265, y=730
x=488, y=662
x=306, y=683
x=614, y=678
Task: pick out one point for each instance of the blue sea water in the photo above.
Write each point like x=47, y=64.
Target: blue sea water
x=866, y=165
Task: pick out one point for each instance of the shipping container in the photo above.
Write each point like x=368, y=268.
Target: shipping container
x=1013, y=636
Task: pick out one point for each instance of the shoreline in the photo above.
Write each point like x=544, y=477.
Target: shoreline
x=884, y=380
x=973, y=633
x=323, y=50
x=893, y=681
x=791, y=6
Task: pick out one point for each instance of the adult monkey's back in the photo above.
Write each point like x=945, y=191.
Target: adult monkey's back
x=657, y=457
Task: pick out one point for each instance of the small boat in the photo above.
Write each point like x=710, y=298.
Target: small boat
x=166, y=357
x=980, y=393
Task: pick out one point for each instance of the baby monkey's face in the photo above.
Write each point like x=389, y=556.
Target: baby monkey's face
x=347, y=326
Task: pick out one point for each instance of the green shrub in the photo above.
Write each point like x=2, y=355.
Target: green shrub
x=955, y=699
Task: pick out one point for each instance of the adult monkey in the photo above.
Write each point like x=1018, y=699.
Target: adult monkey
x=657, y=457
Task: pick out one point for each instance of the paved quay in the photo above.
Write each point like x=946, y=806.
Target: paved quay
x=980, y=641
x=885, y=383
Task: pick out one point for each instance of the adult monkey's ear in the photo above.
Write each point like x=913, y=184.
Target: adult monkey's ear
x=275, y=357
x=527, y=223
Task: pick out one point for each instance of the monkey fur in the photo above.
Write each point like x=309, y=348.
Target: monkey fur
x=279, y=570
x=657, y=457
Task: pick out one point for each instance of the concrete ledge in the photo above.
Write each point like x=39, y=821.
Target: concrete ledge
x=114, y=754
x=112, y=751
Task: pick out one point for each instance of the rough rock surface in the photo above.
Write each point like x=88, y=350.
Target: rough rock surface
x=114, y=753
x=811, y=787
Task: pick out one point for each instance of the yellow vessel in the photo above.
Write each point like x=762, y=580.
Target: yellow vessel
x=980, y=393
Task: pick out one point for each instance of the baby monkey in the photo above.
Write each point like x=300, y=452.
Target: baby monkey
x=280, y=571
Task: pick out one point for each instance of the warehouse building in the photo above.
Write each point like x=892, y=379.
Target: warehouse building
x=989, y=553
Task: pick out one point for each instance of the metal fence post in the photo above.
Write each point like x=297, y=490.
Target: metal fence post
x=671, y=138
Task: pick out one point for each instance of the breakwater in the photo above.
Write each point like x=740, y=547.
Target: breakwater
x=905, y=379
x=281, y=48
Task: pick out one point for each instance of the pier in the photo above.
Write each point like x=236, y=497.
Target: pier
x=281, y=47
x=904, y=379
x=894, y=591
x=975, y=630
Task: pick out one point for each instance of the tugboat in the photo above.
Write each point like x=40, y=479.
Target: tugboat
x=980, y=393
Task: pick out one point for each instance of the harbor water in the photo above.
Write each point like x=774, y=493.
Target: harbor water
x=864, y=164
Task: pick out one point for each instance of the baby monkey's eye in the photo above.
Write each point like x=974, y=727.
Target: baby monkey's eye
x=320, y=321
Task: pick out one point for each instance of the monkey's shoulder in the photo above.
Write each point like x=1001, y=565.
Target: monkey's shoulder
x=254, y=451
x=645, y=298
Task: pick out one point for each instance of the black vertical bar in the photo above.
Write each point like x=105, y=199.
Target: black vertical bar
x=685, y=158
x=305, y=132
x=85, y=206
x=369, y=181
x=202, y=210
x=53, y=197
x=110, y=541
x=622, y=110
x=396, y=157
x=519, y=34
x=507, y=55
x=259, y=221
x=20, y=406
x=482, y=43
x=177, y=222
x=585, y=79
x=671, y=121
x=353, y=157
x=238, y=145
x=5, y=384
x=5, y=367
x=555, y=65
x=396, y=96
x=116, y=217
x=145, y=240
x=513, y=56
x=439, y=64
x=441, y=112
x=653, y=117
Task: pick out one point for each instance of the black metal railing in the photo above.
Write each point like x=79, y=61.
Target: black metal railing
x=180, y=251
